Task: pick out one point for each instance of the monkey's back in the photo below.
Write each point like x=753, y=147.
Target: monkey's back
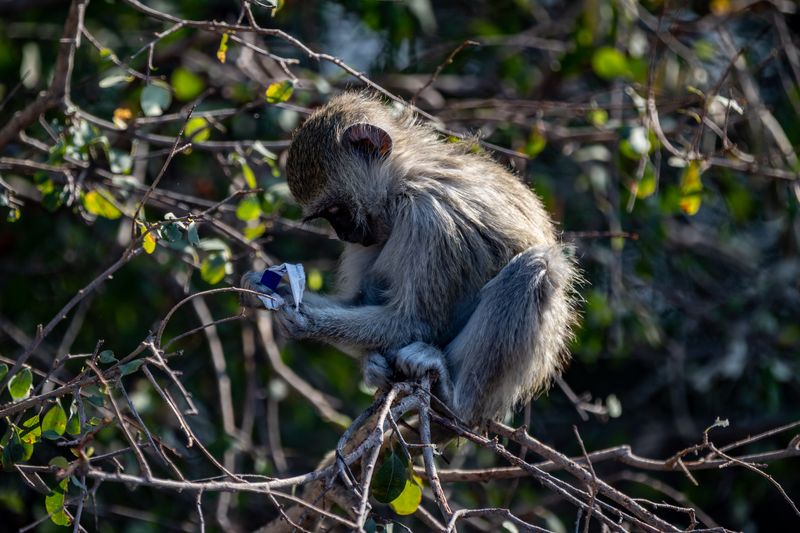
x=465, y=216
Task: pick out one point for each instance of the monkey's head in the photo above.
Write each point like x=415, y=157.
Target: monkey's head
x=339, y=167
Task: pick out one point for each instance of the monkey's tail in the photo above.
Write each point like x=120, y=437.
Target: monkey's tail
x=516, y=340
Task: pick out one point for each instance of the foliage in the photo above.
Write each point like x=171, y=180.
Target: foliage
x=662, y=138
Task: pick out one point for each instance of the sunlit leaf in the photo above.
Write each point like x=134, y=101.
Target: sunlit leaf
x=223, y=48
x=149, y=242
x=254, y=232
x=197, y=130
x=248, y=174
x=54, y=503
x=597, y=117
x=30, y=430
x=96, y=203
x=155, y=98
x=54, y=422
x=609, y=63
x=212, y=269
x=249, y=208
x=536, y=143
x=20, y=385
x=314, y=279
x=646, y=186
x=186, y=84
x=280, y=91
x=409, y=499
x=691, y=188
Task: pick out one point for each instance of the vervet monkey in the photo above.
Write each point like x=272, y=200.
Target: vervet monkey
x=451, y=265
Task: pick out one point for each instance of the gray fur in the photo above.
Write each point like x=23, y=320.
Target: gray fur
x=466, y=277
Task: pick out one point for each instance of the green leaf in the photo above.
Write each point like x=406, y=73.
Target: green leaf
x=212, y=269
x=254, y=232
x=96, y=203
x=31, y=430
x=536, y=143
x=609, y=63
x=280, y=91
x=197, y=130
x=155, y=98
x=74, y=425
x=59, y=461
x=597, y=117
x=20, y=385
x=390, y=479
x=186, y=84
x=3, y=370
x=704, y=49
x=646, y=186
x=15, y=450
x=409, y=499
x=248, y=209
x=107, y=357
x=54, y=503
x=95, y=395
x=130, y=368
x=171, y=232
x=54, y=422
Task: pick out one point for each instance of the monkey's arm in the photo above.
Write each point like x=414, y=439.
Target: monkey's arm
x=372, y=327
x=419, y=267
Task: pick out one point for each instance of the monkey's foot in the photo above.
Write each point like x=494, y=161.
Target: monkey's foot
x=419, y=359
x=377, y=371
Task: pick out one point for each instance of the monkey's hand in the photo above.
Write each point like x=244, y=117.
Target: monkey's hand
x=296, y=323
x=251, y=281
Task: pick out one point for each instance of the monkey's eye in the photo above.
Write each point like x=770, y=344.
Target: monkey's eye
x=333, y=210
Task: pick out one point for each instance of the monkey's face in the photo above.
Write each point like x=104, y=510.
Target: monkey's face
x=345, y=222
x=333, y=166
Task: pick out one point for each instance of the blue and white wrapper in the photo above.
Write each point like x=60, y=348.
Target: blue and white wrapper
x=274, y=275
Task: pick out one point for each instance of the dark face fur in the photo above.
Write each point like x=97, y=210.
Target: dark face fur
x=343, y=220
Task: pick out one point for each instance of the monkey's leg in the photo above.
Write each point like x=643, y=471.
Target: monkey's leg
x=515, y=340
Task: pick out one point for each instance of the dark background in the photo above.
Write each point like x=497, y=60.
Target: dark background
x=695, y=318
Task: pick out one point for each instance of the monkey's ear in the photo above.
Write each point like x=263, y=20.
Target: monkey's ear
x=367, y=139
